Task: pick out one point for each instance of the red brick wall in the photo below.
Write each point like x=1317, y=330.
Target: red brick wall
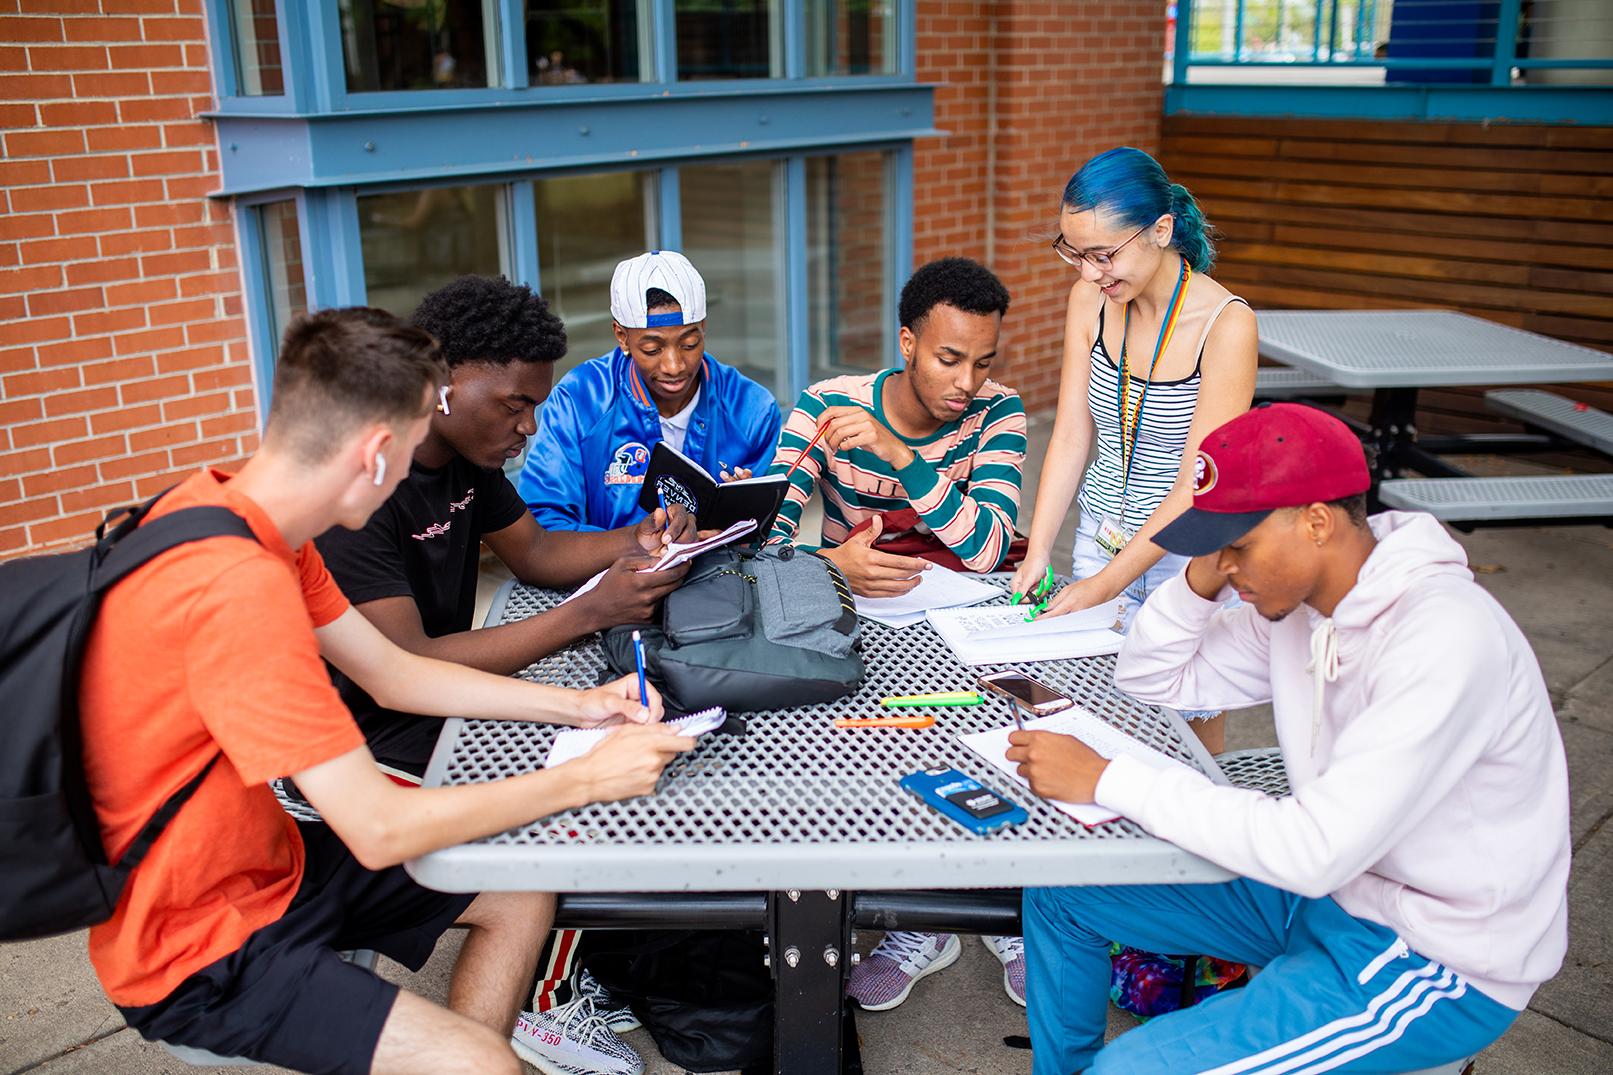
x=123, y=356
x=1029, y=89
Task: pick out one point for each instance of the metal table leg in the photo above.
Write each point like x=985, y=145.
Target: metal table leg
x=1393, y=426
x=809, y=948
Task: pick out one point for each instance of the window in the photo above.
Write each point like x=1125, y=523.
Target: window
x=416, y=44
x=577, y=41
x=849, y=285
x=586, y=224
x=258, y=71
x=593, y=130
x=283, y=268
x=728, y=39
x=415, y=241
x=730, y=233
x=850, y=37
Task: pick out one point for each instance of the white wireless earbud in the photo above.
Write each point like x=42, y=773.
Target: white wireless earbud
x=380, y=468
x=442, y=399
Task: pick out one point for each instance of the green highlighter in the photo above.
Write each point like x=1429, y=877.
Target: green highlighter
x=933, y=701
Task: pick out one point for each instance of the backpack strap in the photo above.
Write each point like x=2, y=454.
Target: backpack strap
x=154, y=825
x=128, y=551
x=132, y=551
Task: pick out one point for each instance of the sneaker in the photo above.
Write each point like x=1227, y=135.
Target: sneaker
x=1010, y=952
x=886, y=977
x=618, y=1017
x=573, y=1040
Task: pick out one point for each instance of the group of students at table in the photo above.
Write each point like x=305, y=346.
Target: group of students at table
x=1402, y=903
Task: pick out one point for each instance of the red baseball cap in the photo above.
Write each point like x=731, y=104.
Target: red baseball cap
x=1279, y=455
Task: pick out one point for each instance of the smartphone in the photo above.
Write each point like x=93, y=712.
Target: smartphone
x=1027, y=691
x=963, y=799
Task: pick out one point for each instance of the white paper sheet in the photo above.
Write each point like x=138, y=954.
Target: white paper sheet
x=939, y=587
x=1106, y=739
x=575, y=742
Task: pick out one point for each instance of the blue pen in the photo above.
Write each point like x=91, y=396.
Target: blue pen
x=638, y=659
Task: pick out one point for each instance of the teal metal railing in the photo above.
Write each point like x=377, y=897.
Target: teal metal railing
x=1472, y=42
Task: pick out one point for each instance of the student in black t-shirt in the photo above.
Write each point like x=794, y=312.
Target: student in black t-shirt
x=412, y=570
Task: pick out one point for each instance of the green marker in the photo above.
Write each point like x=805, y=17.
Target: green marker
x=938, y=700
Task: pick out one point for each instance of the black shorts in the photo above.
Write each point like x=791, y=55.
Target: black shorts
x=286, y=997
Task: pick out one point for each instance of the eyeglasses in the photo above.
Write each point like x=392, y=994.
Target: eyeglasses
x=1100, y=259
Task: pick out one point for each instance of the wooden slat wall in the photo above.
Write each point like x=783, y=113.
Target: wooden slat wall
x=1510, y=223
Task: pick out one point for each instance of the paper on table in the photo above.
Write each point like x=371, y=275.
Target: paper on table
x=994, y=636
x=584, y=588
x=575, y=742
x=939, y=587
x=676, y=553
x=1105, y=739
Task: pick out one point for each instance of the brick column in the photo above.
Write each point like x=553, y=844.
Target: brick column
x=123, y=355
x=1029, y=89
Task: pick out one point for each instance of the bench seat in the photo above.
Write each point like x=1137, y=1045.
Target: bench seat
x=1554, y=497
x=1553, y=413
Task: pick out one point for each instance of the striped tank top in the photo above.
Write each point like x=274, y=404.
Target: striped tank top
x=1161, y=437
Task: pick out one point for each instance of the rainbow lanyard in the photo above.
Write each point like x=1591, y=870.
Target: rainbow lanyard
x=1128, y=417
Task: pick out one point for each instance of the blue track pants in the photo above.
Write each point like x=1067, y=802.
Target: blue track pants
x=1336, y=993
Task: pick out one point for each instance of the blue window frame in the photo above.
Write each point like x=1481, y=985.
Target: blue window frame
x=323, y=147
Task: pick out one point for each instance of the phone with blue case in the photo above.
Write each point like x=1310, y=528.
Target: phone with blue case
x=963, y=799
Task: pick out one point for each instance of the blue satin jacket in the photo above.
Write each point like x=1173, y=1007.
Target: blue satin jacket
x=596, y=430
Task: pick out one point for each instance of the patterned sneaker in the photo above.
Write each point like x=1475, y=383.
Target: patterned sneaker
x=573, y=1040
x=618, y=1017
x=886, y=977
x=1010, y=952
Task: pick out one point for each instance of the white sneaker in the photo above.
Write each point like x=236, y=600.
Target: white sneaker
x=618, y=1017
x=1010, y=952
x=883, y=980
x=573, y=1040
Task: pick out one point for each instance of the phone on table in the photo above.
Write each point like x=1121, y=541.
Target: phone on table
x=1027, y=691
x=963, y=799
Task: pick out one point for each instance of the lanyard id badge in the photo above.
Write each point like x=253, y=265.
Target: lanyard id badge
x=1112, y=533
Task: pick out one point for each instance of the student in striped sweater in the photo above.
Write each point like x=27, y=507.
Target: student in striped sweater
x=929, y=454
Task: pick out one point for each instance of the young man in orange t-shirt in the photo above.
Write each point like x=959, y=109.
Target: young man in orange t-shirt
x=226, y=937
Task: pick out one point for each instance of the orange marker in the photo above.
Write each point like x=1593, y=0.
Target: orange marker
x=906, y=720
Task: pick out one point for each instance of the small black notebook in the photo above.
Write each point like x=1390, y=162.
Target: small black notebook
x=716, y=505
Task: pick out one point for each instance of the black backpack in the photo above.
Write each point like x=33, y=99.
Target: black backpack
x=54, y=873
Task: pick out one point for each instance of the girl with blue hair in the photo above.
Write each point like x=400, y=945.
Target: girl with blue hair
x=1156, y=354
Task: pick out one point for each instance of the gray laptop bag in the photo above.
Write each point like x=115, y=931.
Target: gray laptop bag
x=750, y=630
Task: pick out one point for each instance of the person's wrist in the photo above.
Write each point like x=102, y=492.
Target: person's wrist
x=902, y=456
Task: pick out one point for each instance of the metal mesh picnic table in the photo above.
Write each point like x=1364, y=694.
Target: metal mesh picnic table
x=806, y=813
x=798, y=803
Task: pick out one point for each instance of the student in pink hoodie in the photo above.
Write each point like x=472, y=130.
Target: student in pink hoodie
x=1410, y=894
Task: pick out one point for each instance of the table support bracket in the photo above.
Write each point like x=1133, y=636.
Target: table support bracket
x=809, y=950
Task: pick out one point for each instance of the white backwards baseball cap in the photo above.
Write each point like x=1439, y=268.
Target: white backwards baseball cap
x=667, y=270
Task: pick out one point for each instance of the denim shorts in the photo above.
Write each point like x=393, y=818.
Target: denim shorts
x=1089, y=560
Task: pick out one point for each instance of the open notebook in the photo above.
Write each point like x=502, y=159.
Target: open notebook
x=575, y=742
x=1000, y=634
x=676, y=479
x=1106, y=739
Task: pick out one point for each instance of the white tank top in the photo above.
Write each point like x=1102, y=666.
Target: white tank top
x=1167, y=414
